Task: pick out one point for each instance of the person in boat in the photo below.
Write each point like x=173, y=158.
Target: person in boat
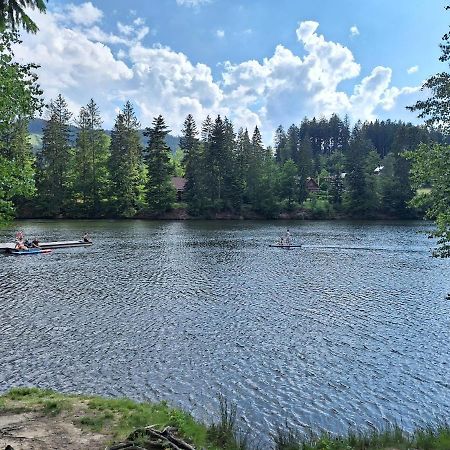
x=20, y=245
x=35, y=243
x=86, y=238
x=287, y=237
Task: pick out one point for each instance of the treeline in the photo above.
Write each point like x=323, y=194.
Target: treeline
x=360, y=171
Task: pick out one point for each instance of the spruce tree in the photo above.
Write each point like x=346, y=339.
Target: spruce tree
x=214, y=141
x=160, y=190
x=195, y=172
x=280, y=145
x=90, y=161
x=126, y=164
x=54, y=160
x=356, y=194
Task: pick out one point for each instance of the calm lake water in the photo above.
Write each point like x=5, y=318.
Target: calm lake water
x=350, y=330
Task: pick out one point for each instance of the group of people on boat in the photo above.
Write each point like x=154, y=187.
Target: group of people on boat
x=24, y=244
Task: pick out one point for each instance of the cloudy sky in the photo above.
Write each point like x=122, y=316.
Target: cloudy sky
x=259, y=62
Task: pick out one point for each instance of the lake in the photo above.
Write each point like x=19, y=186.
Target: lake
x=350, y=330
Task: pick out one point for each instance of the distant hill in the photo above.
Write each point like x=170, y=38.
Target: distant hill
x=36, y=126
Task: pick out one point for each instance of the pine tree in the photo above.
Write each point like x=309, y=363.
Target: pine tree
x=90, y=160
x=232, y=186
x=195, y=172
x=54, y=159
x=243, y=162
x=160, y=190
x=292, y=144
x=126, y=165
x=356, y=194
x=280, y=145
x=213, y=137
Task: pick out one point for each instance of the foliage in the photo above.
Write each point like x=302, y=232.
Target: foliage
x=160, y=191
x=119, y=417
x=194, y=163
x=431, y=163
x=227, y=171
x=53, y=165
x=91, y=155
x=126, y=165
x=13, y=14
x=19, y=100
x=430, y=168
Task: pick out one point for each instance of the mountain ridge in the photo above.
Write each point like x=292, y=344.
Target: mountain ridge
x=36, y=127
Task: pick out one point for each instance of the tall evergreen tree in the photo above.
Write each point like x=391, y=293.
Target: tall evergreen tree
x=243, y=162
x=280, y=145
x=195, y=171
x=356, y=194
x=232, y=186
x=54, y=159
x=126, y=164
x=160, y=190
x=91, y=160
x=292, y=144
x=214, y=158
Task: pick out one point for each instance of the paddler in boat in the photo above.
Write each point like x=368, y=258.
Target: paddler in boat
x=35, y=243
x=287, y=237
x=86, y=238
x=20, y=245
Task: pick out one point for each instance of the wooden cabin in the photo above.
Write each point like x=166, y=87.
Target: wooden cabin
x=312, y=186
x=179, y=184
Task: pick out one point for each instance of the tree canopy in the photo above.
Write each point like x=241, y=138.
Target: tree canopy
x=13, y=14
x=431, y=163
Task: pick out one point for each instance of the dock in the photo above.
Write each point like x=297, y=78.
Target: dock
x=6, y=247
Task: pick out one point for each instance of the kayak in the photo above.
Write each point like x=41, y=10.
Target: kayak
x=30, y=251
x=284, y=245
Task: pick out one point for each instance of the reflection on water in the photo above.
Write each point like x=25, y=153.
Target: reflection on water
x=351, y=329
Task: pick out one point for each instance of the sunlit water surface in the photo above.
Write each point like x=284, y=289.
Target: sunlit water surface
x=350, y=330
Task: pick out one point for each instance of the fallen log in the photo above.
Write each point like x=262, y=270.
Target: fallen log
x=152, y=439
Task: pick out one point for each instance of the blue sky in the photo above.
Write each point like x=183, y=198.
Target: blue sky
x=260, y=63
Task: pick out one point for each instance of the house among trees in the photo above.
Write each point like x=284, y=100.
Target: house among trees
x=179, y=183
x=312, y=186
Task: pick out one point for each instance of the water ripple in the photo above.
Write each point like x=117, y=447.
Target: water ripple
x=350, y=330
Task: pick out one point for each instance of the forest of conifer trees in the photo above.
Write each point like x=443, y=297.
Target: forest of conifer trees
x=358, y=171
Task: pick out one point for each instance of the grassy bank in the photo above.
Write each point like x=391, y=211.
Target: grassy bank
x=108, y=421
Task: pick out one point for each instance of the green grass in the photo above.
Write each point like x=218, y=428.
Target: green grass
x=118, y=418
x=96, y=423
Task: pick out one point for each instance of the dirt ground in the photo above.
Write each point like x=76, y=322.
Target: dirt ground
x=35, y=431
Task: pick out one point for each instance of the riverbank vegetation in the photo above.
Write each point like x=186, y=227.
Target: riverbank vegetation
x=111, y=421
x=320, y=168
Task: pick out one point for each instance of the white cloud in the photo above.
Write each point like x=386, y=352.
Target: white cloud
x=284, y=87
x=84, y=14
x=354, y=31
x=192, y=3
x=220, y=33
x=125, y=29
x=413, y=69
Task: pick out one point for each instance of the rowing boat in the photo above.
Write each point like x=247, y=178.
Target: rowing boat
x=285, y=245
x=30, y=251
